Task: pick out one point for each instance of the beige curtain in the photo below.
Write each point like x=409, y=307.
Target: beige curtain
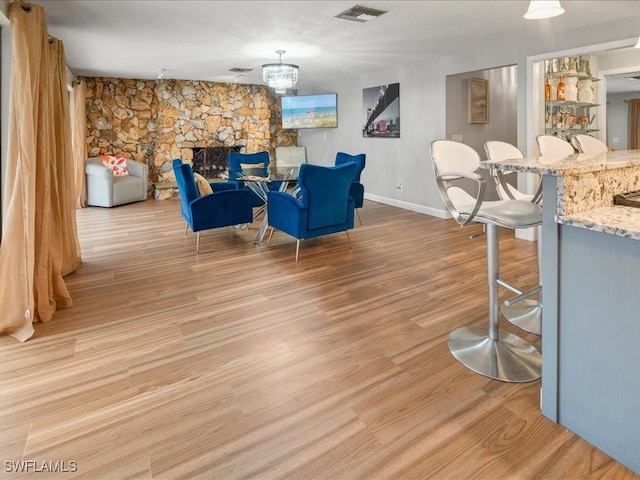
x=37, y=226
x=64, y=198
x=634, y=124
x=79, y=142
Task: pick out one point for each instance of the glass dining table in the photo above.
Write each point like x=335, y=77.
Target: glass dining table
x=278, y=180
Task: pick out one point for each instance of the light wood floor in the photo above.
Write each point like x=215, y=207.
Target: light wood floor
x=240, y=363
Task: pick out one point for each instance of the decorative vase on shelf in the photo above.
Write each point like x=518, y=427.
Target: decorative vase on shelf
x=560, y=90
x=571, y=89
x=585, y=91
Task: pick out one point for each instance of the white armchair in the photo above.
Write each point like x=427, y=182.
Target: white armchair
x=106, y=190
x=290, y=156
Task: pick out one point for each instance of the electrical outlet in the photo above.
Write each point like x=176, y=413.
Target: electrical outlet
x=616, y=139
x=399, y=186
x=456, y=137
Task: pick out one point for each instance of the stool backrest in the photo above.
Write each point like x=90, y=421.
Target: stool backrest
x=450, y=156
x=552, y=146
x=497, y=151
x=590, y=145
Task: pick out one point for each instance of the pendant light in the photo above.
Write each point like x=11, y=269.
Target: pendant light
x=280, y=76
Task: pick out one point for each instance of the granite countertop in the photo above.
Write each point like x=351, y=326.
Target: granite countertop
x=586, y=188
x=614, y=220
x=571, y=164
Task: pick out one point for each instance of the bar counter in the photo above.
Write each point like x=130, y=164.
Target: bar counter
x=591, y=297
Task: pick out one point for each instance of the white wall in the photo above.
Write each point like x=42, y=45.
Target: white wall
x=618, y=119
x=422, y=111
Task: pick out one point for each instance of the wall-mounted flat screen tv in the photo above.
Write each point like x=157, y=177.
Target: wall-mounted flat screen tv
x=310, y=111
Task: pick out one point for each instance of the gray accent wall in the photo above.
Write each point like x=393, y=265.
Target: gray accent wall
x=599, y=334
x=503, y=113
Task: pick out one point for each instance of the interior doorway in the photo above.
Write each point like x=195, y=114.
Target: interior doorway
x=502, y=114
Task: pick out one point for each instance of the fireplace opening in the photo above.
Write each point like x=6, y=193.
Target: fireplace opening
x=211, y=162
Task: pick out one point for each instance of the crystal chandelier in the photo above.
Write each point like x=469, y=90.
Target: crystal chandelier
x=280, y=76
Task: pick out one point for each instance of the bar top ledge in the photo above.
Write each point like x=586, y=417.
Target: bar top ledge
x=571, y=164
x=586, y=186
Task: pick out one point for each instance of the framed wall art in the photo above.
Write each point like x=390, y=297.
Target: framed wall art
x=381, y=110
x=478, y=100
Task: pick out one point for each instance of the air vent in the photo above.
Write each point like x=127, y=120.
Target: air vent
x=633, y=78
x=361, y=14
x=240, y=70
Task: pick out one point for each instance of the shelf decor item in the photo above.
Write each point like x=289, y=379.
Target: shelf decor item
x=561, y=90
x=478, y=111
x=585, y=91
x=571, y=90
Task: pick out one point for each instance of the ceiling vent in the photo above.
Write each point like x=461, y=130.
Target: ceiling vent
x=240, y=70
x=634, y=78
x=361, y=14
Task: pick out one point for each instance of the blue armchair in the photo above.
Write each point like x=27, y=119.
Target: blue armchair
x=357, y=189
x=219, y=209
x=323, y=205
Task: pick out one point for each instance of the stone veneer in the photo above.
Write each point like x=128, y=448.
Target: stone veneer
x=587, y=191
x=155, y=121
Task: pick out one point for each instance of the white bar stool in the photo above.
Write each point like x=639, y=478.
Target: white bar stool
x=522, y=311
x=497, y=354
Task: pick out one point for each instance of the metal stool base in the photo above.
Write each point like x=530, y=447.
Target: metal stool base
x=525, y=314
x=509, y=359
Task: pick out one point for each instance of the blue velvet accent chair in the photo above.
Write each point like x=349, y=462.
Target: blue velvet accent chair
x=323, y=205
x=357, y=189
x=226, y=206
x=250, y=164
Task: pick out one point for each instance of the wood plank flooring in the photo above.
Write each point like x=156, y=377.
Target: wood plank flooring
x=238, y=363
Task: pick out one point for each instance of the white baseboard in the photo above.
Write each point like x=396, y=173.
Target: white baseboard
x=434, y=212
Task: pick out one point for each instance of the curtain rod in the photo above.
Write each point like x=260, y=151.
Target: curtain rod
x=27, y=8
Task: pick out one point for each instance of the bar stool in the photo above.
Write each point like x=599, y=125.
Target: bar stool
x=588, y=144
x=522, y=311
x=552, y=146
x=497, y=354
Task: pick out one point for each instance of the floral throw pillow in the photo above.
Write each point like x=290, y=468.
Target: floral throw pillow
x=117, y=163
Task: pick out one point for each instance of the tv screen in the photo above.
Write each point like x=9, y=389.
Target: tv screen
x=310, y=111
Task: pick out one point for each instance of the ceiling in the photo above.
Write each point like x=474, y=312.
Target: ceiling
x=202, y=40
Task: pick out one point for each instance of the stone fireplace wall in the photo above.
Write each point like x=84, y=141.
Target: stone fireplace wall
x=155, y=121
